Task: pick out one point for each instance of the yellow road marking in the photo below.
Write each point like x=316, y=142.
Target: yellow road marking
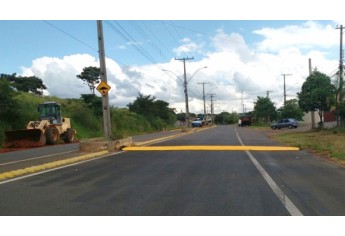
x=210, y=148
x=50, y=165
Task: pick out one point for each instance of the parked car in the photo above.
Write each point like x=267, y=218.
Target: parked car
x=285, y=123
x=197, y=123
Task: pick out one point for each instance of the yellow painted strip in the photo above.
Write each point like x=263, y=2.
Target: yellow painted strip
x=50, y=165
x=210, y=148
x=156, y=140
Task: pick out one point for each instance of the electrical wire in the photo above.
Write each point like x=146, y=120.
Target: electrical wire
x=80, y=41
x=71, y=36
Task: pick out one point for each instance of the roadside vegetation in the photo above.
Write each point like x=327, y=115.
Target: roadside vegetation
x=18, y=106
x=324, y=142
x=328, y=142
x=19, y=97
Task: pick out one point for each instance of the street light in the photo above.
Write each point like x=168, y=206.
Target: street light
x=185, y=83
x=173, y=74
x=196, y=72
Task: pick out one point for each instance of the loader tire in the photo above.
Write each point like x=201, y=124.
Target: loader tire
x=69, y=136
x=52, y=135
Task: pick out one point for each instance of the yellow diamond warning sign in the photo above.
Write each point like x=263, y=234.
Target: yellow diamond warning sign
x=103, y=88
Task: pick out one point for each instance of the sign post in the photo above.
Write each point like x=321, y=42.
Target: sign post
x=103, y=87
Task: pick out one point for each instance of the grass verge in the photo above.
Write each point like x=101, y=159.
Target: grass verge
x=326, y=143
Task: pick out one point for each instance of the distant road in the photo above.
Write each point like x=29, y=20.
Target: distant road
x=181, y=183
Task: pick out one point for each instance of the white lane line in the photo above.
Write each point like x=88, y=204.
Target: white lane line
x=34, y=158
x=292, y=209
x=57, y=168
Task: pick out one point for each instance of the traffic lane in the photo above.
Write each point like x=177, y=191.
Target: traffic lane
x=38, y=151
x=37, y=156
x=314, y=185
x=156, y=135
x=254, y=137
x=146, y=183
x=219, y=135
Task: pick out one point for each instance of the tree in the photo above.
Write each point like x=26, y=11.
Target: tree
x=226, y=118
x=8, y=108
x=91, y=76
x=143, y=105
x=264, y=110
x=25, y=84
x=94, y=103
x=291, y=110
x=317, y=94
x=8, y=105
x=153, y=109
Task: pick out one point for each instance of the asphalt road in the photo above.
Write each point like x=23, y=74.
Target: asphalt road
x=14, y=160
x=226, y=183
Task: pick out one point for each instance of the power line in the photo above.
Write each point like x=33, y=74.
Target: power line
x=182, y=27
x=154, y=35
x=127, y=37
x=80, y=41
x=147, y=38
x=71, y=36
x=172, y=36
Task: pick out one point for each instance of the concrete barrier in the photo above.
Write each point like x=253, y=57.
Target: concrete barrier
x=97, y=145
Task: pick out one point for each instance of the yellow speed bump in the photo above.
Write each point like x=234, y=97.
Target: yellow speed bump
x=210, y=148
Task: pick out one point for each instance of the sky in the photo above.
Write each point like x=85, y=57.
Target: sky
x=245, y=57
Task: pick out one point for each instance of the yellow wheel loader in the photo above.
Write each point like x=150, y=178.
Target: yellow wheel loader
x=49, y=129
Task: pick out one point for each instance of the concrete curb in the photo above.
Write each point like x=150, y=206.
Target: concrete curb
x=50, y=165
x=101, y=145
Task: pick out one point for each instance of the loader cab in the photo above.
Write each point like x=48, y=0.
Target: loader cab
x=50, y=111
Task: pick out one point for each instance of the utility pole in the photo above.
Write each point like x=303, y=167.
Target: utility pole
x=212, y=109
x=185, y=85
x=105, y=98
x=268, y=93
x=312, y=112
x=242, y=104
x=203, y=96
x=285, y=88
x=341, y=67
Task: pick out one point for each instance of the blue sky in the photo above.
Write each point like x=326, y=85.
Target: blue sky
x=235, y=52
x=23, y=41
x=245, y=54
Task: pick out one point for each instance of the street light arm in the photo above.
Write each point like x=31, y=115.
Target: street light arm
x=173, y=74
x=196, y=72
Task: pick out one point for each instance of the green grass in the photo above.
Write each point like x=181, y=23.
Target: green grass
x=324, y=142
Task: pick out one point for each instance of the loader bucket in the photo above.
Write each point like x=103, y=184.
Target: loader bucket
x=24, y=138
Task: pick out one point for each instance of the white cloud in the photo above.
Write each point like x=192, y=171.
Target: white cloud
x=307, y=36
x=188, y=46
x=235, y=72
x=59, y=75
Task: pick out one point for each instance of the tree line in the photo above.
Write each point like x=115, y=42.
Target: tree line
x=19, y=97
x=318, y=94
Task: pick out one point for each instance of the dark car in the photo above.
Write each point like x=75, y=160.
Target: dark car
x=197, y=123
x=285, y=123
